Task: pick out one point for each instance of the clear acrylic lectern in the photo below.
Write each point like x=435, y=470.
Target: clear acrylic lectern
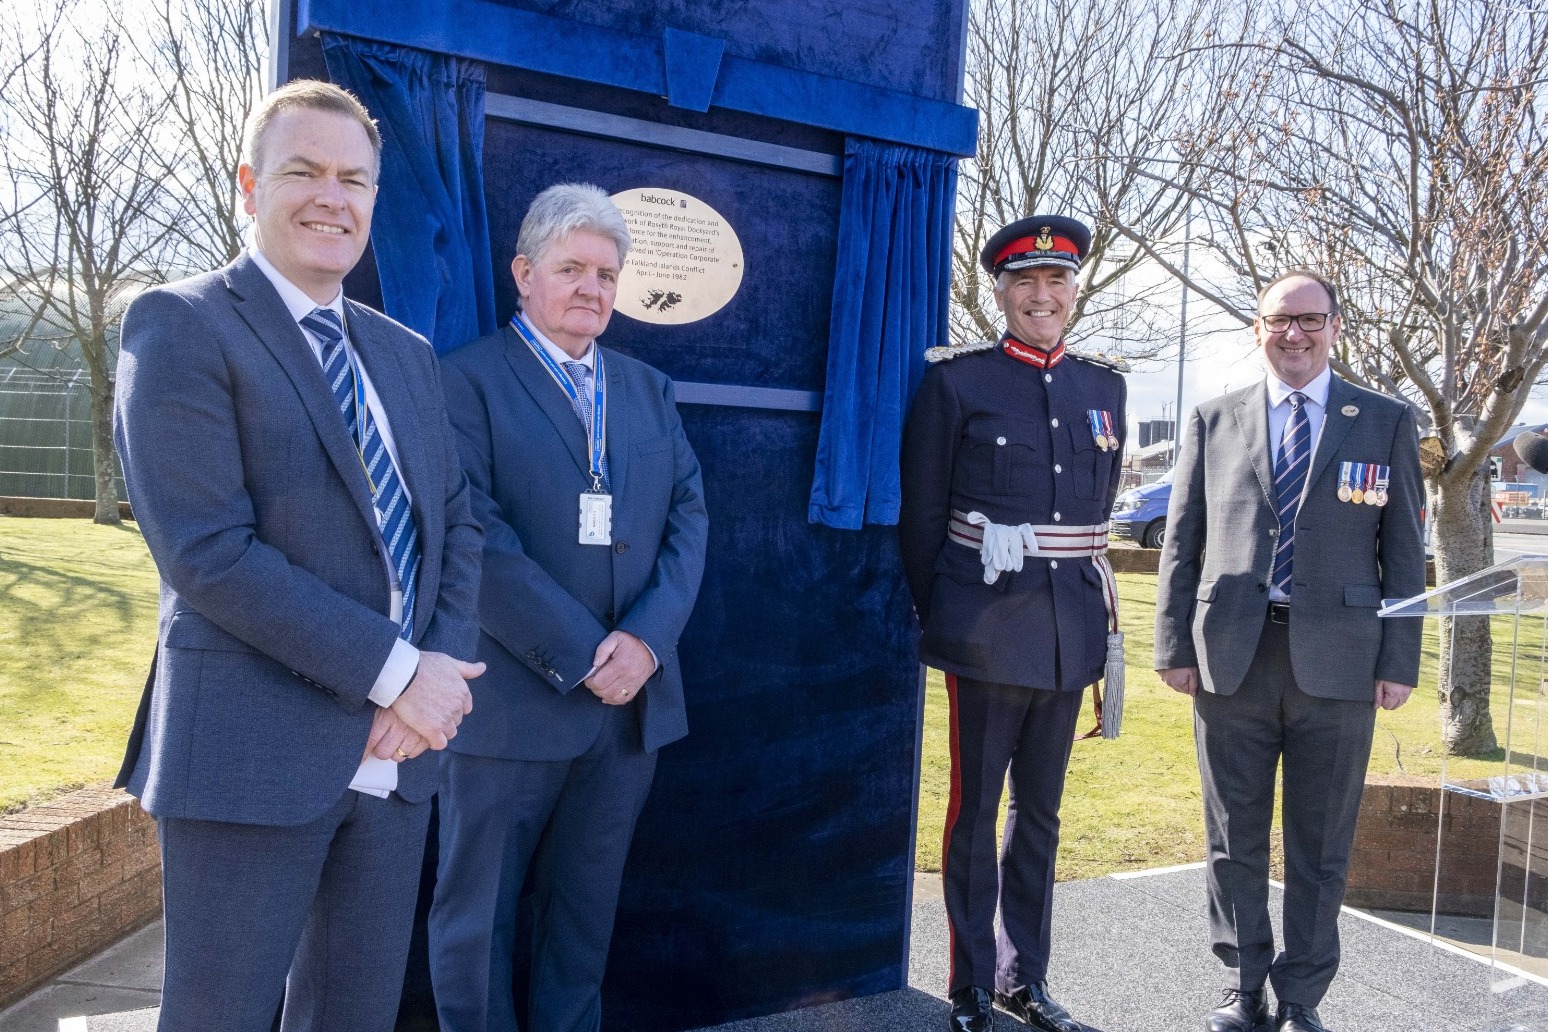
x=1493, y=903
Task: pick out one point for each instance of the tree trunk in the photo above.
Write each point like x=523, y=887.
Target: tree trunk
x=1463, y=545
x=102, y=450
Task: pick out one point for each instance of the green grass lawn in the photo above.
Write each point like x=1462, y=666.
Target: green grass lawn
x=76, y=638
x=79, y=613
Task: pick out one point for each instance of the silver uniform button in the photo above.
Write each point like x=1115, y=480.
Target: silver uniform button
x=1048, y=377
x=1058, y=468
x=1053, y=564
x=1054, y=421
x=1057, y=517
x=999, y=440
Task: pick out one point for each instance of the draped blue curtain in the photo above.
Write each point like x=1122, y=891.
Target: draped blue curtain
x=432, y=243
x=889, y=304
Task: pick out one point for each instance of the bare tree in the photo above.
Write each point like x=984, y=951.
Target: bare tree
x=121, y=147
x=86, y=216
x=210, y=54
x=1401, y=147
x=1082, y=108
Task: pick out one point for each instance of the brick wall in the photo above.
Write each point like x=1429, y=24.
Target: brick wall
x=55, y=508
x=76, y=875
x=1393, y=863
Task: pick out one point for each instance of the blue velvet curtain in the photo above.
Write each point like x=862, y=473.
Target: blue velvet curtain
x=432, y=241
x=889, y=304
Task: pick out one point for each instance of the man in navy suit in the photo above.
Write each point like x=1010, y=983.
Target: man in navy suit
x=593, y=507
x=291, y=467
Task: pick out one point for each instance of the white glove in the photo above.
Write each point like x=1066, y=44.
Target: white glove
x=1003, y=547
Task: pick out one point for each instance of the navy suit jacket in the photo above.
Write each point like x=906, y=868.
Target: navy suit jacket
x=275, y=598
x=547, y=601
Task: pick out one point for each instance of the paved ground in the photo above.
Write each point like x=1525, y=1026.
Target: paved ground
x=1131, y=951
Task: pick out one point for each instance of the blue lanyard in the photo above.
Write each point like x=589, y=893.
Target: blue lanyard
x=598, y=398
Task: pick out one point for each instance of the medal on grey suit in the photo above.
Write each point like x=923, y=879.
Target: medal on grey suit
x=1345, y=475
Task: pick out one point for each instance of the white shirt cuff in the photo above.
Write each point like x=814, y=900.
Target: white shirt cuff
x=396, y=673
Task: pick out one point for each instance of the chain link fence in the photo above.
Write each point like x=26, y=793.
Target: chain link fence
x=45, y=434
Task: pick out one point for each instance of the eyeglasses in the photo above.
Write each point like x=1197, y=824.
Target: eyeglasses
x=1308, y=321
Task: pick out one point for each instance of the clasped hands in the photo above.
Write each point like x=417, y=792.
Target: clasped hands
x=621, y=665
x=427, y=712
x=1388, y=694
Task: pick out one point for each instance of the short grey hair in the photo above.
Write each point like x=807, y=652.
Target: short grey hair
x=563, y=209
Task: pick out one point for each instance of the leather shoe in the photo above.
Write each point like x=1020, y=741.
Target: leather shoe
x=971, y=1010
x=1292, y=1017
x=1037, y=1009
x=1241, y=1010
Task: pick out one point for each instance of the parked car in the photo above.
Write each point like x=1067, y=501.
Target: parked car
x=1140, y=514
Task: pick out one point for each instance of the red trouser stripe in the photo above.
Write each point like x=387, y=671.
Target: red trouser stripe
x=953, y=807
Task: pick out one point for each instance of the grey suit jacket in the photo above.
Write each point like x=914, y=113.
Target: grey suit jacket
x=547, y=600
x=1222, y=527
x=274, y=598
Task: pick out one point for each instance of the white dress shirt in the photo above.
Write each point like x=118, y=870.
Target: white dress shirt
x=376, y=777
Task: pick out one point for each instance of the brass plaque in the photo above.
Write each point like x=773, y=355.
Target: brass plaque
x=685, y=261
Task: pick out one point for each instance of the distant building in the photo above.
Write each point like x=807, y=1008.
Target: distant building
x=1153, y=430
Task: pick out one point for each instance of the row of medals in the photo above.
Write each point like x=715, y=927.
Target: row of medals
x=1351, y=491
x=1101, y=430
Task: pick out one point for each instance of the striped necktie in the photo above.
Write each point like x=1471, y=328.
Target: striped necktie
x=579, y=375
x=394, y=517
x=1289, y=484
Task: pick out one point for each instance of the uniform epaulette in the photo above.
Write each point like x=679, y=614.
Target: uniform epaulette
x=1117, y=363
x=947, y=352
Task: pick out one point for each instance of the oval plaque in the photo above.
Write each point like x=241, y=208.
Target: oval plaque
x=685, y=261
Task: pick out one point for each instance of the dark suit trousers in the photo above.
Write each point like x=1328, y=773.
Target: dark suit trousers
x=331, y=902
x=995, y=726
x=572, y=821
x=1325, y=745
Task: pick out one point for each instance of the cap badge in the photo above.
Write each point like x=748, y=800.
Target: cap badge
x=1044, y=240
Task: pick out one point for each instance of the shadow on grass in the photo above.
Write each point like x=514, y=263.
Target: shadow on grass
x=82, y=613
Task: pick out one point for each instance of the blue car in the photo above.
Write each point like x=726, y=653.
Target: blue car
x=1140, y=514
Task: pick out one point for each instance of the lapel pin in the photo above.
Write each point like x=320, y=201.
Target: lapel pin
x=1350, y=410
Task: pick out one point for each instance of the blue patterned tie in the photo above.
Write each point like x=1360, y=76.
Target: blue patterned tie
x=1289, y=483
x=579, y=376
x=395, y=518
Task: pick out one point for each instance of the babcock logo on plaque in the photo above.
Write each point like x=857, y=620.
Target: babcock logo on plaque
x=685, y=261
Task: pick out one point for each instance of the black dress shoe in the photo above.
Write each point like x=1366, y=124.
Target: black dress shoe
x=1292, y=1017
x=1034, y=1006
x=1241, y=1011
x=972, y=1010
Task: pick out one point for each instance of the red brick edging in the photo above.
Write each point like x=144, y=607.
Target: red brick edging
x=76, y=875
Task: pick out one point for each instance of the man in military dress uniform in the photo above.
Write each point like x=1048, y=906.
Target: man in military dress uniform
x=1010, y=468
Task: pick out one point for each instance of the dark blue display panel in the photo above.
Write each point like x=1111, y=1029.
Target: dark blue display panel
x=772, y=867
x=773, y=864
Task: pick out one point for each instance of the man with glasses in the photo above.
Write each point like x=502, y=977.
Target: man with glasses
x=1266, y=616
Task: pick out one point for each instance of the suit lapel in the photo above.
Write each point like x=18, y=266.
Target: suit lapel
x=1335, y=427
x=1252, y=420
x=549, y=397
x=260, y=307
x=617, y=429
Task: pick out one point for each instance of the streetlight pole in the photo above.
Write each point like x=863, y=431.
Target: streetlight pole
x=1182, y=334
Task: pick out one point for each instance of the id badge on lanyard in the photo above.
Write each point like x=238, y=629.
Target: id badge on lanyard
x=596, y=505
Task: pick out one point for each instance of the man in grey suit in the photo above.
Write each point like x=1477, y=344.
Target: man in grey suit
x=593, y=506
x=291, y=467
x=1295, y=511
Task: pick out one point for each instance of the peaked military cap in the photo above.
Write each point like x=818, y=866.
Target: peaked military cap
x=1039, y=240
